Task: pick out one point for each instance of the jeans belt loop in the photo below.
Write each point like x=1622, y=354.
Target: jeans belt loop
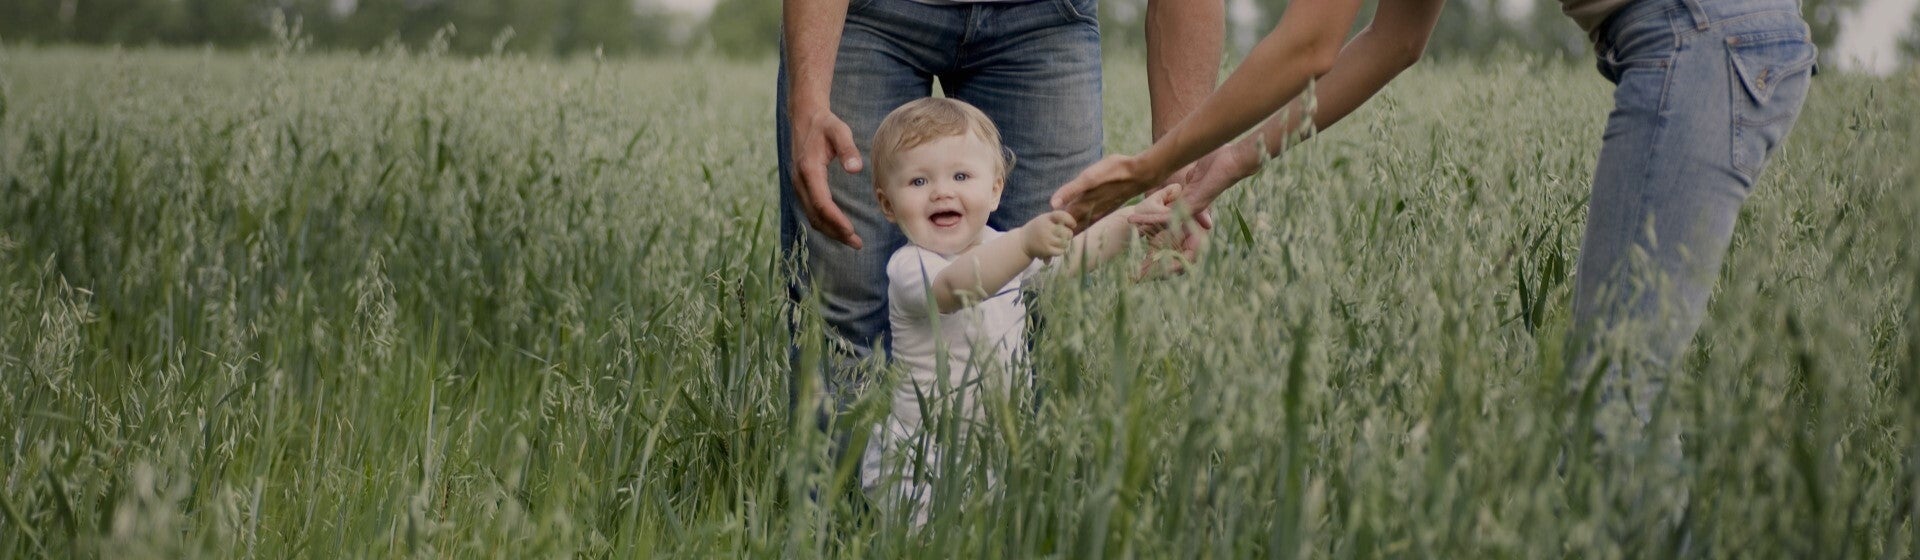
x=1699, y=14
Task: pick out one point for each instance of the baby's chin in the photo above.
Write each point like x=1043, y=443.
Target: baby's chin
x=943, y=242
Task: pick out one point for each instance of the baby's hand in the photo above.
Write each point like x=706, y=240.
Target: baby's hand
x=1172, y=244
x=1155, y=213
x=1049, y=235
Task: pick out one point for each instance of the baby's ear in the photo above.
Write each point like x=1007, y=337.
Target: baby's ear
x=886, y=204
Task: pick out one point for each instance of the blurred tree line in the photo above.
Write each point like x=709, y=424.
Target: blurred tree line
x=1910, y=44
x=558, y=27
x=735, y=28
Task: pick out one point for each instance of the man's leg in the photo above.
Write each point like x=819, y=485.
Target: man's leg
x=1034, y=68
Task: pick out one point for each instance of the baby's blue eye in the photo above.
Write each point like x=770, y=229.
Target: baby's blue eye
x=918, y=182
x=961, y=176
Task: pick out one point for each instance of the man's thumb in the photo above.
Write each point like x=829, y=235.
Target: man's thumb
x=843, y=146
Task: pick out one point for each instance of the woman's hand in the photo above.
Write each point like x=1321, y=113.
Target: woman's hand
x=1175, y=236
x=1199, y=185
x=1106, y=185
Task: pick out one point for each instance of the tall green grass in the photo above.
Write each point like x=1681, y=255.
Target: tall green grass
x=293, y=305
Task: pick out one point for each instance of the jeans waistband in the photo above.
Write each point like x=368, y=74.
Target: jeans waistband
x=1697, y=14
x=1701, y=13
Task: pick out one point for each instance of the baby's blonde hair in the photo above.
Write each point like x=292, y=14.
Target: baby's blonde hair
x=927, y=119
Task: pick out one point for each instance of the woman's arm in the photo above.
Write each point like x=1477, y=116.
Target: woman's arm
x=1388, y=46
x=1277, y=71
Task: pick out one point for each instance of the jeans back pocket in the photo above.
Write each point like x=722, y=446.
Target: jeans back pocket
x=1771, y=72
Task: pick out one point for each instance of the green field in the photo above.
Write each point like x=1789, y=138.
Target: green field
x=279, y=305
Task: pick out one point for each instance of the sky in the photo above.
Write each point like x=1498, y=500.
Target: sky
x=1868, y=36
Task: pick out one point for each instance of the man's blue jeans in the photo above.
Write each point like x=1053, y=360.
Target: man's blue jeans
x=1032, y=66
x=1707, y=91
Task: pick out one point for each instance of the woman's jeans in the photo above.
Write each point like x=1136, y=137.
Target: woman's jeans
x=1032, y=66
x=1707, y=91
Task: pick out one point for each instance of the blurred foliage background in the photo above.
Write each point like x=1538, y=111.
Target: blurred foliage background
x=747, y=29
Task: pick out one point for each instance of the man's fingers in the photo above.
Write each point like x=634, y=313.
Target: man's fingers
x=837, y=226
x=834, y=223
x=810, y=173
x=843, y=146
x=817, y=202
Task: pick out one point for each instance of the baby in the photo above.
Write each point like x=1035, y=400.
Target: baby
x=954, y=289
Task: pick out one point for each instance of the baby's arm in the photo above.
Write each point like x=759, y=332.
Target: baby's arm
x=1100, y=242
x=981, y=272
x=1111, y=235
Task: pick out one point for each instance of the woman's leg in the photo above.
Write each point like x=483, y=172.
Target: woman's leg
x=1707, y=89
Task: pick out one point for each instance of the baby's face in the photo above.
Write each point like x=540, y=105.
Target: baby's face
x=941, y=192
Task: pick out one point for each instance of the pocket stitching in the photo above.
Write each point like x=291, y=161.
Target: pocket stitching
x=1758, y=88
x=1745, y=130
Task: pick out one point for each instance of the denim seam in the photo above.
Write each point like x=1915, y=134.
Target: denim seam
x=1736, y=94
x=1660, y=128
x=1765, y=37
x=967, y=28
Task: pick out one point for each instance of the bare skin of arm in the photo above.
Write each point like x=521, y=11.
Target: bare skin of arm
x=986, y=269
x=1392, y=43
x=983, y=270
x=1184, y=41
x=812, y=31
x=1099, y=243
x=1276, y=72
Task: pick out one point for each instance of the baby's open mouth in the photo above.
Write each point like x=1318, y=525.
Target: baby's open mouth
x=945, y=218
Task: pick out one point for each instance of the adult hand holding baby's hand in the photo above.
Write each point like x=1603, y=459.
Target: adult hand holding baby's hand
x=1105, y=186
x=1199, y=184
x=1157, y=213
x=1172, y=240
x=1048, y=235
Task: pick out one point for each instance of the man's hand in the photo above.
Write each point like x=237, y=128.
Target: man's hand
x=1047, y=236
x=820, y=137
x=1104, y=186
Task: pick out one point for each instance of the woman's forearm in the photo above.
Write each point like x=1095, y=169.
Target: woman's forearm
x=1301, y=48
x=1388, y=46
